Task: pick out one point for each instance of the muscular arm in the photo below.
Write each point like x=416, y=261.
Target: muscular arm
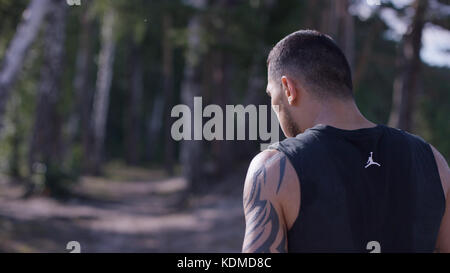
x=266, y=188
x=443, y=240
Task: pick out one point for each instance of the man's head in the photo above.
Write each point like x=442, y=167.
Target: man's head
x=306, y=69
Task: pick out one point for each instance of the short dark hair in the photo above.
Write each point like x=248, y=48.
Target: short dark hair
x=316, y=59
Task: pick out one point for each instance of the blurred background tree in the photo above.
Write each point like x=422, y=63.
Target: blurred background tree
x=82, y=86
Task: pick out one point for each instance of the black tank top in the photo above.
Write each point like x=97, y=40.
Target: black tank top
x=373, y=184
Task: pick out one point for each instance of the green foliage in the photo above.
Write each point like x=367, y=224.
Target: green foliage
x=58, y=181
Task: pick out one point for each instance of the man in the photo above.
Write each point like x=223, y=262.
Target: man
x=339, y=183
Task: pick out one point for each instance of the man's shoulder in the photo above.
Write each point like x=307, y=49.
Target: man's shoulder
x=444, y=170
x=402, y=136
x=267, y=157
x=271, y=176
x=265, y=166
x=414, y=140
x=305, y=142
x=273, y=169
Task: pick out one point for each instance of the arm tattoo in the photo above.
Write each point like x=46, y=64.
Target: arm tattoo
x=262, y=217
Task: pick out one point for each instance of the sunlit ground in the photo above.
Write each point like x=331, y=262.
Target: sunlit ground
x=132, y=210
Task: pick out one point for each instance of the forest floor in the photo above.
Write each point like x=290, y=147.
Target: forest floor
x=125, y=212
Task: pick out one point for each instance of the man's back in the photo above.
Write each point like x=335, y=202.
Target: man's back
x=337, y=190
x=378, y=185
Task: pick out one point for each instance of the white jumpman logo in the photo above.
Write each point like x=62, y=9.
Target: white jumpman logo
x=371, y=162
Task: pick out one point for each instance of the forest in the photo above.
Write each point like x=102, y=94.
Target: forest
x=87, y=89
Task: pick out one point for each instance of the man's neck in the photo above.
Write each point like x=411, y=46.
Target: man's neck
x=341, y=114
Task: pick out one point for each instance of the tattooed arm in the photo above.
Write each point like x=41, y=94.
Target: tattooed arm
x=267, y=188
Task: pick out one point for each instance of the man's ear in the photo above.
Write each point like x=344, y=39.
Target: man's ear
x=290, y=89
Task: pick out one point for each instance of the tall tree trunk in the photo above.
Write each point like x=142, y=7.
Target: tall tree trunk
x=254, y=95
x=26, y=33
x=330, y=23
x=220, y=68
x=154, y=123
x=224, y=152
x=169, y=145
x=134, y=113
x=366, y=53
x=16, y=141
x=83, y=87
x=338, y=23
x=312, y=7
x=256, y=81
x=192, y=157
x=405, y=84
x=103, y=85
x=347, y=31
x=45, y=147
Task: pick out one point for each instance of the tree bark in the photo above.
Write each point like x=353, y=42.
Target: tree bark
x=338, y=23
x=219, y=71
x=217, y=78
x=256, y=80
x=312, y=7
x=366, y=53
x=329, y=17
x=347, y=32
x=168, y=90
x=16, y=141
x=103, y=85
x=83, y=87
x=405, y=84
x=192, y=157
x=45, y=144
x=154, y=126
x=26, y=33
x=133, y=118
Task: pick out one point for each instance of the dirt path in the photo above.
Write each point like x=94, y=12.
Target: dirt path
x=122, y=216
